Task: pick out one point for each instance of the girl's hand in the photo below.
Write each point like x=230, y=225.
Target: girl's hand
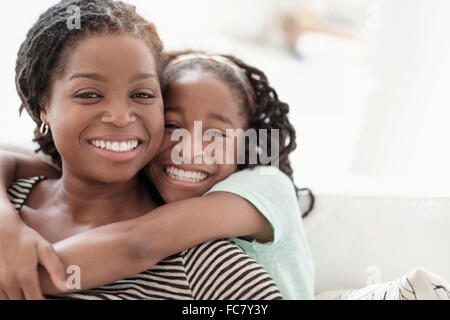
x=22, y=249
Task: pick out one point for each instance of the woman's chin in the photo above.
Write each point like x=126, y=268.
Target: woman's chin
x=114, y=177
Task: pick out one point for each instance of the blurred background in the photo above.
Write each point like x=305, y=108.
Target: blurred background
x=367, y=80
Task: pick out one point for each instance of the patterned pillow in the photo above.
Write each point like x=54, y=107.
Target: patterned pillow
x=417, y=284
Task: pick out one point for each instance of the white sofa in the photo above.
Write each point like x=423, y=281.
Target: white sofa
x=363, y=237
x=358, y=240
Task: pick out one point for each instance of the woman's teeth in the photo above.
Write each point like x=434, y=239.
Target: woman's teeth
x=124, y=146
x=188, y=176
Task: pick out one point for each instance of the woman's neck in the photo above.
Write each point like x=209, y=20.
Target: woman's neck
x=93, y=203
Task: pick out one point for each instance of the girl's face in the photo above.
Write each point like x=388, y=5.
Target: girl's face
x=196, y=96
x=106, y=110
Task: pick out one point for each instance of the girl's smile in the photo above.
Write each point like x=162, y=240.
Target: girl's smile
x=185, y=177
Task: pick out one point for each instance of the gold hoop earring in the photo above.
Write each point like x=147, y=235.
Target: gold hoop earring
x=44, y=129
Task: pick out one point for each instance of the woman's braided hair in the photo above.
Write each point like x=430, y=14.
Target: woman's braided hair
x=47, y=45
x=267, y=111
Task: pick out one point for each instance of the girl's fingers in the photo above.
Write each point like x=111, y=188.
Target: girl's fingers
x=31, y=288
x=50, y=260
x=14, y=293
x=3, y=295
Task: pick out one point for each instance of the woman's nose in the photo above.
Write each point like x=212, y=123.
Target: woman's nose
x=119, y=114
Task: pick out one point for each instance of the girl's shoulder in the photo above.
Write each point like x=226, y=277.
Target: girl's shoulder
x=260, y=180
x=270, y=175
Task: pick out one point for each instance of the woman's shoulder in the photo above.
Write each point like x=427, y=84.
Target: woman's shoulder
x=217, y=269
x=20, y=190
x=220, y=269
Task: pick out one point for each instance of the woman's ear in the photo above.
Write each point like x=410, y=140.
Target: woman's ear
x=44, y=109
x=44, y=115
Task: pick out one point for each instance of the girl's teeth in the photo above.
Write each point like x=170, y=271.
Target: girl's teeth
x=189, y=176
x=115, y=146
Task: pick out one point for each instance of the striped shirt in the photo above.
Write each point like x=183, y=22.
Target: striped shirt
x=214, y=270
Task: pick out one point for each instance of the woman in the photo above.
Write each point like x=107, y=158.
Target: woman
x=118, y=48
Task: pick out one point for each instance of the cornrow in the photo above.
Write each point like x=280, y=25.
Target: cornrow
x=267, y=111
x=44, y=52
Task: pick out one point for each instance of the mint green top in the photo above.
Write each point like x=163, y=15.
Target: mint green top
x=288, y=257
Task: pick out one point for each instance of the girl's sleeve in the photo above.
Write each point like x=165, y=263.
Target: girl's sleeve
x=270, y=191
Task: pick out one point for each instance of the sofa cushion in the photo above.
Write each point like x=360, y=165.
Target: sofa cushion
x=417, y=284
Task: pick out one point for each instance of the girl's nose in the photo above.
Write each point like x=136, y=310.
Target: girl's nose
x=191, y=148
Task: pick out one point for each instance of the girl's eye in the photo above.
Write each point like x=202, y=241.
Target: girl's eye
x=215, y=133
x=172, y=126
x=142, y=95
x=88, y=95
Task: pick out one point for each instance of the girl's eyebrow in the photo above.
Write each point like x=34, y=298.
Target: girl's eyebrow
x=176, y=109
x=221, y=118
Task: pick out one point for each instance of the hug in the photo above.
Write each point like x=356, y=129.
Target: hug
x=107, y=100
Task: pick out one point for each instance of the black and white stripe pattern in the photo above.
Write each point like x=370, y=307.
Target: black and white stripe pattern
x=18, y=192
x=215, y=270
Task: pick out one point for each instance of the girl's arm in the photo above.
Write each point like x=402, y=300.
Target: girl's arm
x=22, y=248
x=113, y=252
x=120, y=250
x=16, y=166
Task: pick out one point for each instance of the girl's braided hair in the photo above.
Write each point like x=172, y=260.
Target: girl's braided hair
x=266, y=112
x=47, y=46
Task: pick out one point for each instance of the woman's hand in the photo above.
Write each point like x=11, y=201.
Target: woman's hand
x=22, y=249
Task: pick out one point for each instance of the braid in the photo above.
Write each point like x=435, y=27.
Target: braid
x=44, y=52
x=270, y=113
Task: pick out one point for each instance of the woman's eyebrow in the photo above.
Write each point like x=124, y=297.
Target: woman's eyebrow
x=143, y=76
x=93, y=76
x=98, y=77
x=221, y=118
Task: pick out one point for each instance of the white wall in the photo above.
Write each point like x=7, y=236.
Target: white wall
x=406, y=127
x=346, y=130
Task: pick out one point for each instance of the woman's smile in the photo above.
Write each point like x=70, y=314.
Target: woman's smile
x=119, y=148
x=105, y=110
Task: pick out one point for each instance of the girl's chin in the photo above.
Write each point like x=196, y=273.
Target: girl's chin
x=177, y=196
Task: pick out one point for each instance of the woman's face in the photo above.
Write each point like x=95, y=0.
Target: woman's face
x=106, y=111
x=196, y=96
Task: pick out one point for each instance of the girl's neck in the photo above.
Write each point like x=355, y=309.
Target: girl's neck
x=93, y=203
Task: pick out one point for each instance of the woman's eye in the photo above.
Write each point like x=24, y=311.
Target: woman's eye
x=142, y=95
x=88, y=95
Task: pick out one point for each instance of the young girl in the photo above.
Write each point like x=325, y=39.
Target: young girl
x=204, y=201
